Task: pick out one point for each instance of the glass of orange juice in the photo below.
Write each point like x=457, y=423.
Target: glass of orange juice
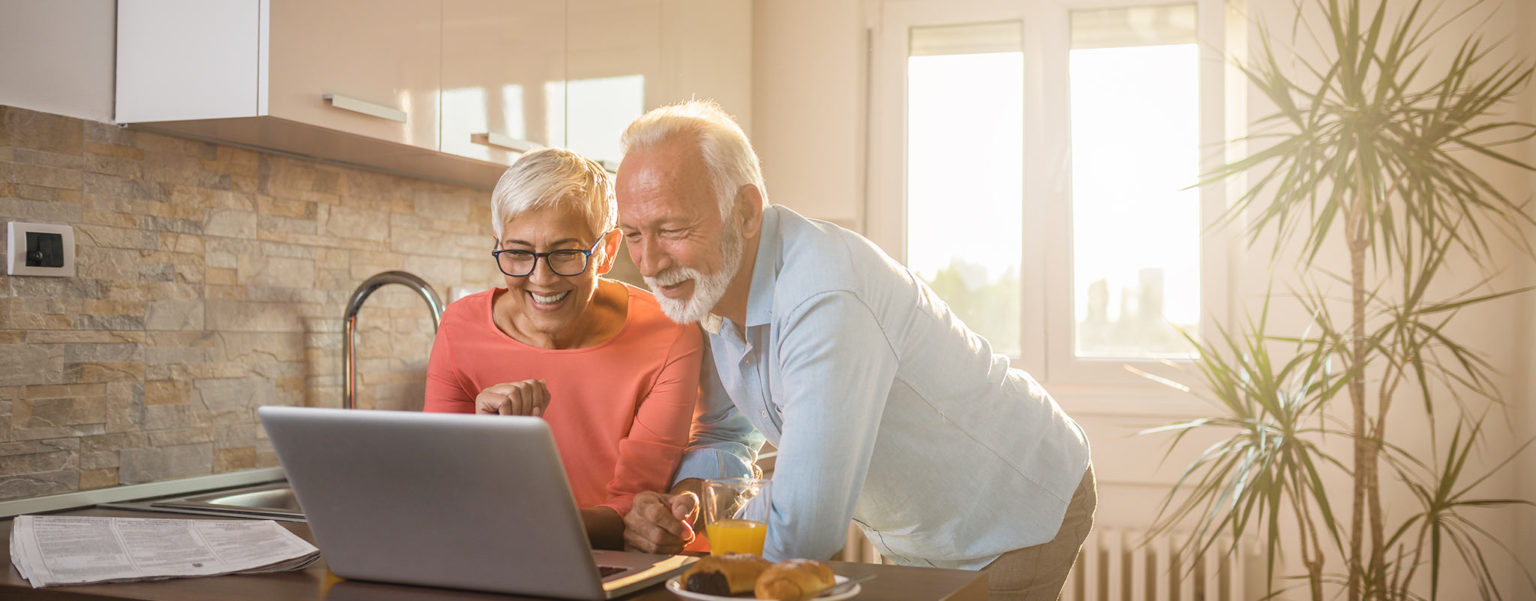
x=736, y=514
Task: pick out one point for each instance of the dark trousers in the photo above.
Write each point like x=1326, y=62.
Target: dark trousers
x=1037, y=573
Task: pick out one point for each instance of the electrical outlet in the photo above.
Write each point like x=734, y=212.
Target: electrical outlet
x=39, y=249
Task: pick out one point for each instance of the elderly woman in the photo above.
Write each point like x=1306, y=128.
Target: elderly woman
x=596, y=358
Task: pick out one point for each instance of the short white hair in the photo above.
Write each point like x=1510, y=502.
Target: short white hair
x=554, y=178
x=728, y=155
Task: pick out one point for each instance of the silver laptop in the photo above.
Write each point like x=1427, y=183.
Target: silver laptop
x=459, y=501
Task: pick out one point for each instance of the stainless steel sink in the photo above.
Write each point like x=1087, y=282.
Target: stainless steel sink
x=271, y=501
x=278, y=499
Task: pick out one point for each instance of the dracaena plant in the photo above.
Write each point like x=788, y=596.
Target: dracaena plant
x=1382, y=150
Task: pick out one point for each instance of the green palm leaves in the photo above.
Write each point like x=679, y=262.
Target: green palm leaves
x=1386, y=147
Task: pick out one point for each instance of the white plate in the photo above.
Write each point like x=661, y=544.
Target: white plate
x=675, y=584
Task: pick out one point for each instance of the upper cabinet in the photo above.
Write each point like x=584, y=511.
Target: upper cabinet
x=364, y=67
x=503, y=77
x=706, y=52
x=614, y=72
x=188, y=59
x=451, y=90
x=369, y=67
x=629, y=56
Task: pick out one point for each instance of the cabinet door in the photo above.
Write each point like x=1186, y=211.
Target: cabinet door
x=503, y=77
x=706, y=52
x=612, y=73
x=159, y=79
x=378, y=59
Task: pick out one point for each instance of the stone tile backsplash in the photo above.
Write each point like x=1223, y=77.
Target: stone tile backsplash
x=210, y=280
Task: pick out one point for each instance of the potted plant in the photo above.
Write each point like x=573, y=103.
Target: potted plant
x=1381, y=149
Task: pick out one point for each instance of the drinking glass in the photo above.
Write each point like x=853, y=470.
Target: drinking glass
x=736, y=514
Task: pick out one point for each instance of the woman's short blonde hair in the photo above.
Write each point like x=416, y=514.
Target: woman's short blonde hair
x=555, y=178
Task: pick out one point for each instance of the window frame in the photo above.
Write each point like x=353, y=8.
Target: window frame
x=1047, y=315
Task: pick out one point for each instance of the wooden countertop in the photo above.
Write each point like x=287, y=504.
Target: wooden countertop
x=315, y=583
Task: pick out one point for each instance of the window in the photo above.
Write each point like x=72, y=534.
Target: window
x=965, y=89
x=1134, y=85
x=1039, y=159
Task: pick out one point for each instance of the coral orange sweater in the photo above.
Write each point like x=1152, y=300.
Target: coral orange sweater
x=619, y=411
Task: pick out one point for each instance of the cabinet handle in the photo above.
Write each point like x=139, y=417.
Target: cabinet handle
x=491, y=138
x=611, y=165
x=348, y=103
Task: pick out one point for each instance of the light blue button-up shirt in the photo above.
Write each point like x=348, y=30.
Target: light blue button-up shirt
x=722, y=443
x=886, y=409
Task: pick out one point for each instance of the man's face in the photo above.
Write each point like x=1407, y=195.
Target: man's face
x=669, y=215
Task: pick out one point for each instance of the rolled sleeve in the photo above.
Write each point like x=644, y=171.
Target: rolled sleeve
x=722, y=443
x=837, y=371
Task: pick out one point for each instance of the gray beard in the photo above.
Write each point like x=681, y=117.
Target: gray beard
x=707, y=289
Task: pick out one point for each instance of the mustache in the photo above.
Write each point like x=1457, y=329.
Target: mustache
x=675, y=275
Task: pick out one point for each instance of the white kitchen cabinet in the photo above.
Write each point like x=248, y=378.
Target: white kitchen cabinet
x=368, y=67
x=503, y=67
x=706, y=52
x=380, y=53
x=451, y=90
x=189, y=59
x=613, y=72
x=351, y=81
x=630, y=56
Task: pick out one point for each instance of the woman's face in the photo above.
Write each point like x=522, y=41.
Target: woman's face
x=543, y=302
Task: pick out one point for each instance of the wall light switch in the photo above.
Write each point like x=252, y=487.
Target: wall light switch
x=39, y=249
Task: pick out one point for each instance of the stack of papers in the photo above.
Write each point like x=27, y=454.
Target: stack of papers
x=60, y=550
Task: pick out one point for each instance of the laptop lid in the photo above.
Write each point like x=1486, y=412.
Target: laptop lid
x=458, y=501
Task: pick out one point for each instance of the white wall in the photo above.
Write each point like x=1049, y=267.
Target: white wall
x=56, y=56
x=808, y=107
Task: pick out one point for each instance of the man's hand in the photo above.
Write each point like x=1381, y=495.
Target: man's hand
x=528, y=397
x=661, y=523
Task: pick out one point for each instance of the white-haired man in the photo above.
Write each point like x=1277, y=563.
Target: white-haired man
x=885, y=408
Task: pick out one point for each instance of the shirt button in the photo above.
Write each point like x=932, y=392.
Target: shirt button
x=762, y=413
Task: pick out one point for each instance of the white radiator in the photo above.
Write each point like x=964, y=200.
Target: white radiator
x=1114, y=565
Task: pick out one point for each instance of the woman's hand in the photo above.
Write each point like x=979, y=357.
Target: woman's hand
x=528, y=397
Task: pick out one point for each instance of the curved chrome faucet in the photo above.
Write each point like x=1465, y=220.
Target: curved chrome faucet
x=349, y=323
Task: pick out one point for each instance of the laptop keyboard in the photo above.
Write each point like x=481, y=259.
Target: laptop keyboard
x=606, y=571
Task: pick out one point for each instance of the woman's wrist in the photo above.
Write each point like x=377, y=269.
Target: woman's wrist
x=605, y=527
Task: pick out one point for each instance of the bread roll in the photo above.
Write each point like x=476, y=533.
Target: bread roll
x=724, y=575
x=794, y=580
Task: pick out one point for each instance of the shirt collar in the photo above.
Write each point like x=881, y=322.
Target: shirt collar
x=765, y=271
x=711, y=323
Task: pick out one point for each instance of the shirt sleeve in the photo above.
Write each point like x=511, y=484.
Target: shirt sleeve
x=446, y=389
x=723, y=443
x=837, y=368
x=650, y=452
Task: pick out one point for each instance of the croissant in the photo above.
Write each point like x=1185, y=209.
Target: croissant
x=724, y=575
x=794, y=580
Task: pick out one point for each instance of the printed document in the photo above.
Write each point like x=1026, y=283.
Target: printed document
x=61, y=550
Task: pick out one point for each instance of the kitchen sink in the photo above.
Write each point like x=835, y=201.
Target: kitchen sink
x=278, y=499
x=269, y=501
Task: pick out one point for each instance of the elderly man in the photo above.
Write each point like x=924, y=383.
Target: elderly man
x=885, y=408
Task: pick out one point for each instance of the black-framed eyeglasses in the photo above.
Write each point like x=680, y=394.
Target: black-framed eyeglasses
x=565, y=262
